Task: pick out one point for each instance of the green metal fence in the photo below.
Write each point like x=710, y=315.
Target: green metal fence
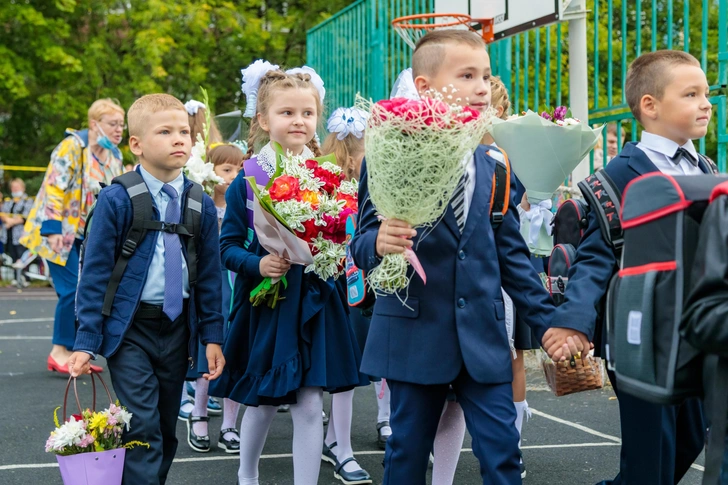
x=357, y=51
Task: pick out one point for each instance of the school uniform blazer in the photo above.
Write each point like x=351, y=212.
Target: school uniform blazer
x=595, y=260
x=458, y=317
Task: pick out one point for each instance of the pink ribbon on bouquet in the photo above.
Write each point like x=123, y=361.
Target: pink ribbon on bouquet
x=412, y=258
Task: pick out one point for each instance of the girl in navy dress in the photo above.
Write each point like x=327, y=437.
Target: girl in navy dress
x=292, y=353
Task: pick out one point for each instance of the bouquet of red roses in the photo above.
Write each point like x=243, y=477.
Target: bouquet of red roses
x=416, y=151
x=300, y=215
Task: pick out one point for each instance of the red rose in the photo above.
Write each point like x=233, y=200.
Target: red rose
x=469, y=114
x=350, y=201
x=311, y=164
x=284, y=187
x=311, y=230
x=330, y=179
x=335, y=229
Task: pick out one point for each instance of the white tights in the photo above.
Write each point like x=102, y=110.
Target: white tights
x=308, y=433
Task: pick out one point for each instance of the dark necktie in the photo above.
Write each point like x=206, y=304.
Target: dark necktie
x=172, y=259
x=683, y=153
x=458, y=202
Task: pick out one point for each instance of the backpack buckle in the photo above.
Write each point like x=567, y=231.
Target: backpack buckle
x=169, y=227
x=496, y=217
x=128, y=248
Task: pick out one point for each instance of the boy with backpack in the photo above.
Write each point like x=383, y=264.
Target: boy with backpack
x=667, y=92
x=150, y=284
x=453, y=331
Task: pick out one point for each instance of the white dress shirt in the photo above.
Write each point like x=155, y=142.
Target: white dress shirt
x=469, y=186
x=660, y=151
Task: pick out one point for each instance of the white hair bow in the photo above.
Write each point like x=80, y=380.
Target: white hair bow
x=192, y=106
x=251, y=82
x=347, y=121
x=404, y=86
x=316, y=80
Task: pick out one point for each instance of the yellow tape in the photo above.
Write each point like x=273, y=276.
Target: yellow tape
x=20, y=168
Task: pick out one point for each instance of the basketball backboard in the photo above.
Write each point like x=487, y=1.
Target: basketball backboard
x=510, y=16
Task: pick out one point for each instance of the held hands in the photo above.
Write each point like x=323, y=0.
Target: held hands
x=272, y=266
x=215, y=361
x=563, y=343
x=394, y=237
x=79, y=363
x=56, y=243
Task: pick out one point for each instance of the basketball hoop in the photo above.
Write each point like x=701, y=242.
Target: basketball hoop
x=412, y=27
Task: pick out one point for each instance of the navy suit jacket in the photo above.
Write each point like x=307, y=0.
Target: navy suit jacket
x=458, y=317
x=595, y=260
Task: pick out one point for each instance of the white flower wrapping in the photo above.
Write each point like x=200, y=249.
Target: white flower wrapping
x=541, y=152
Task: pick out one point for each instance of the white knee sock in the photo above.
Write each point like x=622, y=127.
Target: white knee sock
x=253, y=433
x=448, y=442
x=522, y=411
x=383, y=395
x=343, y=403
x=308, y=432
x=201, y=396
x=230, y=411
x=331, y=428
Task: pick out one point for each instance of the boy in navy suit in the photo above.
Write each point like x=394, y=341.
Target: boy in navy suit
x=667, y=92
x=148, y=337
x=452, y=331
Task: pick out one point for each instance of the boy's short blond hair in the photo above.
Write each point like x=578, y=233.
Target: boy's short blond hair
x=428, y=55
x=102, y=107
x=649, y=74
x=147, y=105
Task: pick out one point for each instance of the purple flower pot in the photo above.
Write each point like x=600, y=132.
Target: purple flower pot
x=99, y=468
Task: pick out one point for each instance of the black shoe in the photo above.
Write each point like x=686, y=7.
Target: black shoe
x=351, y=478
x=523, y=467
x=201, y=444
x=230, y=446
x=327, y=455
x=381, y=439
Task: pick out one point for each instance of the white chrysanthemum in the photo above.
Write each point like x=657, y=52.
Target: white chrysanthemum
x=124, y=417
x=329, y=205
x=294, y=213
x=327, y=262
x=69, y=434
x=349, y=187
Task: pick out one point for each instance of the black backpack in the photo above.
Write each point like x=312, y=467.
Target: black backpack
x=143, y=222
x=662, y=216
x=570, y=222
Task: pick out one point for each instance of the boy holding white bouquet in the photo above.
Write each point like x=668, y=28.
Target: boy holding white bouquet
x=452, y=331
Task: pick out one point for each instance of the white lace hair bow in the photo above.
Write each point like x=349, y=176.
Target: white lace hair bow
x=251, y=82
x=404, y=86
x=316, y=80
x=347, y=121
x=192, y=106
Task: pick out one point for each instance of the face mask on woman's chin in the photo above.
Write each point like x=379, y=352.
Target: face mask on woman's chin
x=103, y=140
x=16, y=195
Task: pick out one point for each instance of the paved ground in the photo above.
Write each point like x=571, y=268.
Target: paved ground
x=573, y=439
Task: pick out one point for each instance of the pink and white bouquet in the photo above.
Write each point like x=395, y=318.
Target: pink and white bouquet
x=416, y=151
x=300, y=215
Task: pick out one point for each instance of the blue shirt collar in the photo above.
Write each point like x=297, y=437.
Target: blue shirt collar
x=667, y=147
x=155, y=185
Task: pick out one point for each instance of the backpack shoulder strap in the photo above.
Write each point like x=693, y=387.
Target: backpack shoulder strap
x=142, y=210
x=605, y=198
x=501, y=192
x=193, y=221
x=710, y=163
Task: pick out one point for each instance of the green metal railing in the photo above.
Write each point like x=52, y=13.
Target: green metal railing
x=357, y=51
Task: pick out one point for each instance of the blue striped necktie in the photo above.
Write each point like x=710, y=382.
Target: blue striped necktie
x=172, y=259
x=458, y=202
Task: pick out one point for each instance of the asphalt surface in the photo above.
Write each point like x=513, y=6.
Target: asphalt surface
x=569, y=440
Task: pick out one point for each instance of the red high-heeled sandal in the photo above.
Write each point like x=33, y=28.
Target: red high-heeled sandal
x=54, y=366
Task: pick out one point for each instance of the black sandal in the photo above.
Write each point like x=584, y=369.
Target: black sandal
x=381, y=439
x=201, y=444
x=351, y=478
x=230, y=446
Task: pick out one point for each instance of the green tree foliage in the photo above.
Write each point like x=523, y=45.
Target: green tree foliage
x=58, y=56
